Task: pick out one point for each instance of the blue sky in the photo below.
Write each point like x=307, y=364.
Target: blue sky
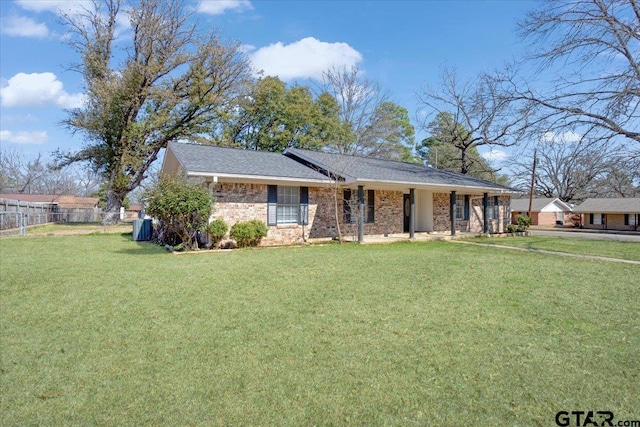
x=402, y=45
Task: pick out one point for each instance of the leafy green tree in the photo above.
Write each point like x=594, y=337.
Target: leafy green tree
x=390, y=134
x=273, y=117
x=171, y=84
x=182, y=207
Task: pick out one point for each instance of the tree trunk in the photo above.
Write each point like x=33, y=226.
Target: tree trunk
x=112, y=210
x=463, y=160
x=335, y=201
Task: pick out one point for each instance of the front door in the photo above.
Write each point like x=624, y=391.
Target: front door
x=406, y=202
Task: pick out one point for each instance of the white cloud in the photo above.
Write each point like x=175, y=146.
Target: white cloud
x=37, y=90
x=21, y=26
x=563, y=137
x=306, y=58
x=71, y=7
x=495, y=155
x=217, y=7
x=34, y=137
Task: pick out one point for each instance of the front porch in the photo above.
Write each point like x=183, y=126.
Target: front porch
x=417, y=236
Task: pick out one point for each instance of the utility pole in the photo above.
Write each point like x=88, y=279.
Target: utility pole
x=533, y=180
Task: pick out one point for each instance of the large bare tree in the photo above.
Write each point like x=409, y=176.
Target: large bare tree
x=572, y=169
x=590, y=52
x=469, y=114
x=36, y=176
x=161, y=82
x=371, y=124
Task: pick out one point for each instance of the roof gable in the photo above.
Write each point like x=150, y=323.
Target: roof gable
x=539, y=204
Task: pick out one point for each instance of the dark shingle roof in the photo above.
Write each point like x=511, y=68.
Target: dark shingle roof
x=208, y=159
x=366, y=168
x=620, y=205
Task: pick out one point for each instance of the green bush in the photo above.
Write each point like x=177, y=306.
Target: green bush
x=523, y=222
x=248, y=233
x=511, y=228
x=217, y=230
x=182, y=207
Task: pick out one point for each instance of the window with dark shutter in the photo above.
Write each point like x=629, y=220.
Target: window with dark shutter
x=466, y=207
x=272, y=204
x=304, y=205
x=347, y=206
x=370, y=206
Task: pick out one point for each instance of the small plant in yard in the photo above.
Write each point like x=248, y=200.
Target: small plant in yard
x=248, y=233
x=523, y=223
x=511, y=228
x=217, y=229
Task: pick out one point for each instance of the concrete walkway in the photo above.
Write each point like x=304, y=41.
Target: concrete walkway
x=544, y=251
x=577, y=233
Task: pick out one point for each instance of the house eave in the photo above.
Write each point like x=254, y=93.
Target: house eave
x=257, y=179
x=434, y=187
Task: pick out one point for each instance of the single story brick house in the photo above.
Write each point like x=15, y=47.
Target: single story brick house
x=298, y=193
x=610, y=214
x=544, y=211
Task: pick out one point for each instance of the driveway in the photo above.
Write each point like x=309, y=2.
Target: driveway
x=581, y=234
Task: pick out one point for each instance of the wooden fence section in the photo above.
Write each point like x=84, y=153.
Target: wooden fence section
x=17, y=214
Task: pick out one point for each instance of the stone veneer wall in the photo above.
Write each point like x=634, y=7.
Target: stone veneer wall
x=243, y=202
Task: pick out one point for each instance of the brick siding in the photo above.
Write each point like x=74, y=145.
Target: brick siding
x=243, y=202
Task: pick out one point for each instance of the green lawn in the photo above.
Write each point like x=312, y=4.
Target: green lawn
x=605, y=248
x=99, y=330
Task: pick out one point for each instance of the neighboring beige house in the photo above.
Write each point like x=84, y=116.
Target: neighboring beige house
x=610, y=214
x=296, y=193
x=544, y=211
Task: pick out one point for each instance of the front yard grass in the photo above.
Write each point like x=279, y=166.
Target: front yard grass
x=100, y=330
x=573, y=245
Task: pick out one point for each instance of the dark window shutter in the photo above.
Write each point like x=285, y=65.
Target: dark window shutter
x=346, y=206
x=304, y=205
x=466, y=207
x=626, y=219
x=370, y=206
x=272, y=205
x=496, y=207
x=591, y=218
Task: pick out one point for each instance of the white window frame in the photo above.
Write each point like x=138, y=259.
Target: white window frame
x=597, y=219
x=492, y=209
x=460, y=207
x=632, y=220
x=288, y=205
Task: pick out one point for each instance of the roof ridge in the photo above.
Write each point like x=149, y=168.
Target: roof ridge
x=239, y=149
